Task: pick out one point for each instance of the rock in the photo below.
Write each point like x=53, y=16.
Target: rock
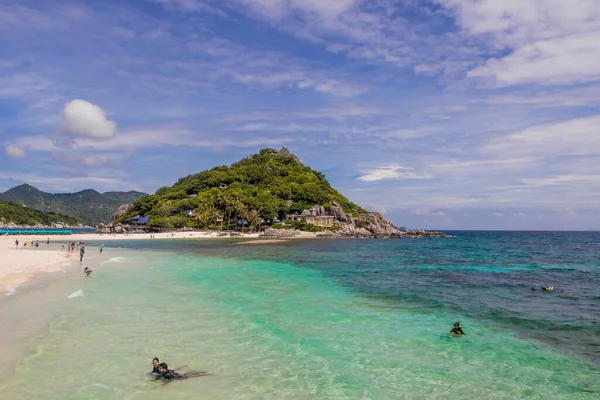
x=284, y=152
x=278, y=233
x=122, y=210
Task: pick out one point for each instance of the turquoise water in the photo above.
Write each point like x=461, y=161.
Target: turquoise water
x=335, y=319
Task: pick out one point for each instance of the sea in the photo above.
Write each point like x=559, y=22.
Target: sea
x=357, y=319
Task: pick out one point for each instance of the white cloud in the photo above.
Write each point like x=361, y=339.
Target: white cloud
x=428, y=211
x=14, y=151
x=549, y=41
x=573, y=137
x=390, y=172
x=568, y=60
x=82, y=118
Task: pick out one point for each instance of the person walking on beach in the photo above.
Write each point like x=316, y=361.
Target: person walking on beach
x=47, y=240
x=17, y=243
x=81, y=253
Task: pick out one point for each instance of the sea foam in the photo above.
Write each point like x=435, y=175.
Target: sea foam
x=10, y=291
x=115, y=259
x=78, y=293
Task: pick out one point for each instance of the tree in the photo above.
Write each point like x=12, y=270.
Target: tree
x=254, y=219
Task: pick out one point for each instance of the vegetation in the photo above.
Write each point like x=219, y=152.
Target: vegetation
x=263, y=186
x=17, y=214
x=89, y=206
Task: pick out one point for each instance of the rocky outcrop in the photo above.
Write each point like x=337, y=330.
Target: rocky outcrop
x=363, y=225
x=118, y=228
x=54, y=225
x=284, y=152
x=122, y=210
x=271, y=233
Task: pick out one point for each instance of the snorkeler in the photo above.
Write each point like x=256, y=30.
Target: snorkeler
x=169, y=374
x=87, y=271
x=457, y=329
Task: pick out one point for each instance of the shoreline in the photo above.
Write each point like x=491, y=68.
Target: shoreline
x=19, y=266
x=22, y=265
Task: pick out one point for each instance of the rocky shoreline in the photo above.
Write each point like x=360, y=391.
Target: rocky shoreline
x=367, y=225
x=57, y=225
x=271, y=233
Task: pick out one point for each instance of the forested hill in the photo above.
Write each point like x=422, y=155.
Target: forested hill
x=13, y=213
x=267, y=185
x=89, y=206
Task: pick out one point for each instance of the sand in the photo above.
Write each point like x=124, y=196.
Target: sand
x=17, y=266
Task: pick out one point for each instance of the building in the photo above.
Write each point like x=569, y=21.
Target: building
x=325, y=221
x=142, y=221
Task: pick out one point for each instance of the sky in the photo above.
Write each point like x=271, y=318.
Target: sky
x=441, y=114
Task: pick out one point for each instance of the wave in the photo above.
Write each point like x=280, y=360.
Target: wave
x=115, y=259
x=10, y=291
x=78, y=293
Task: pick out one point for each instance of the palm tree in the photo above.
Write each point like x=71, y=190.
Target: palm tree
x=254, y=219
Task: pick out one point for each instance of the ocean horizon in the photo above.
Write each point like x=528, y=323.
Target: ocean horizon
x=306, y=319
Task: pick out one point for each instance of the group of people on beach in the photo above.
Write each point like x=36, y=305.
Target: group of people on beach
x=161, y=371
x=36, y=244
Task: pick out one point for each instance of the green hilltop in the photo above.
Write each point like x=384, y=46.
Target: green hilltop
x=88, y=205
x=266, y=185
x=19, y=215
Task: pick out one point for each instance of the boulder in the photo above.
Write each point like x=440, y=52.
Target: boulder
x=278, y=233
x=122, y=210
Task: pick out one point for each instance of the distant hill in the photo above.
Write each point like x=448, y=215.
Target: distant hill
x=17, y=214
x=89, y=206
x=271, y=185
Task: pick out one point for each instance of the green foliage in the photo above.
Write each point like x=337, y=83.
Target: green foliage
x=264, y=185
x=303, y=226
x=16, y=213
x=88, y=205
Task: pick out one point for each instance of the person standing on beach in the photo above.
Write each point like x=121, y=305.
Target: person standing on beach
x=47, y=240
x=17, y=243
x=81, y=253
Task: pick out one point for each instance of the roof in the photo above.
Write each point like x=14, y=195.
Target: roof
x=132, y=218
x=142, y=220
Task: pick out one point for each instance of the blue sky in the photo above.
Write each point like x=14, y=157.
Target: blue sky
x=442, y=114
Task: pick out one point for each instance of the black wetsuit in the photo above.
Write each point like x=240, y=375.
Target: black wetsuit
x=457, y=330
x=170, y=375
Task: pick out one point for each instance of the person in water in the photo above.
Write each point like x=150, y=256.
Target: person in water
x=87, y=271
x=170, y=374
x=155, y=362
x=457, y=329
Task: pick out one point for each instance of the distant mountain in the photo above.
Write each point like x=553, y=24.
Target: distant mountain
x=19, y=215
x=88, y=205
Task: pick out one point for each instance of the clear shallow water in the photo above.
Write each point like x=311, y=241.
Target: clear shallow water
x=324, y=319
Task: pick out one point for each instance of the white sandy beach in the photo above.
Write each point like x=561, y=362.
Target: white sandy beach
x=17, y=266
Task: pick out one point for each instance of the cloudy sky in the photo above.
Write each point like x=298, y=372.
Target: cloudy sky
x=468, y=114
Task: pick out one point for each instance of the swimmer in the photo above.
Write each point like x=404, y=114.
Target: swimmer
x=169, y=374
x=87, y=271
x=457, y=329
x=548, y=289
x=155, y=362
